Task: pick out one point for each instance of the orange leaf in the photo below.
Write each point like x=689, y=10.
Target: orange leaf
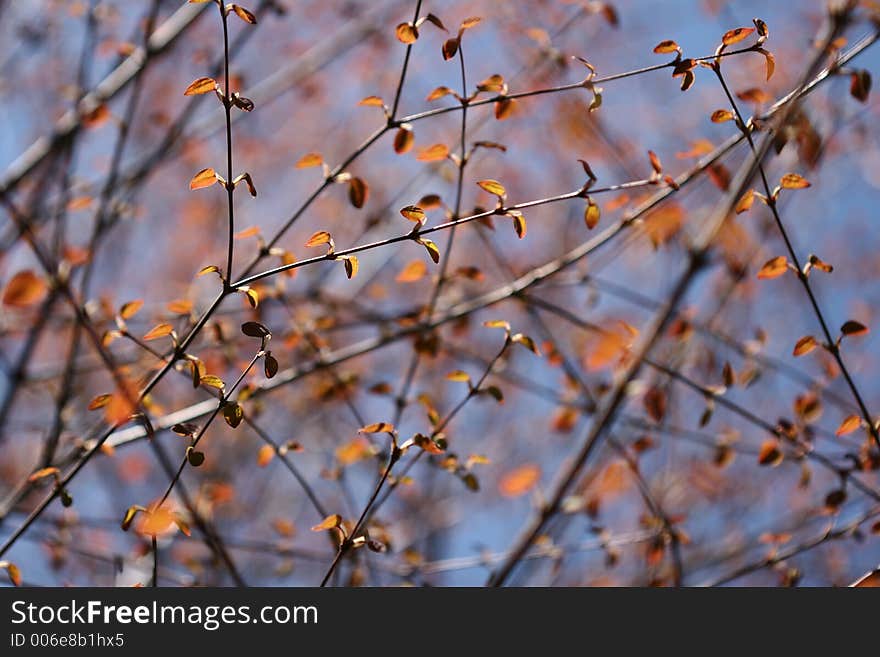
x=24, y=289
x=200, y=86
x=330, y=522
x=377, y=427
x=413, y=213
x=309, y=160
x=774, y=268
x=736, y=35
x=413, y=271
x=433, y=153
x=849, y=424
x=666, y=47
x=519, y=481
x=770, y=454
x=805, y=345
x=204, y=178
x=319, y=238
x=159, y=331
x=793, y=181
x=407, y=33
x=265, y=455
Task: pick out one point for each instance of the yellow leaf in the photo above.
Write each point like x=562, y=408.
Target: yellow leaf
x=351, y=266
x=591, y=215
x=722, y=115
x=493, y=187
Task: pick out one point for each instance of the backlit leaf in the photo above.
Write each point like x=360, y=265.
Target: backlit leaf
x=493, y=187
x=770, y=453
x=519, y=481
x=204, y=178
x=309, y=160
x=244, y=14
x=773, y=268
x=330, y=522
x=412, y=272
x=433, y=153
x=24, y=289
x=158, y=331
x=667, y=46
x=377, y=427
x=736, y=35
x=406, y=33
x=591, y=214
x=849, y=424
x=793, y=181
x=413, y=213
x=265, y=455
x=200, y=86
x=805, y=345
x=351, y=266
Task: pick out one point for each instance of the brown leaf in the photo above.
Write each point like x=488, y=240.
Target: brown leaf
x=358, y=192
x=770, y=454
x=655, y=403
x=852, y=327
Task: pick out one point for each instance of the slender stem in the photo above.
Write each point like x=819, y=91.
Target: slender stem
x=831, y=343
